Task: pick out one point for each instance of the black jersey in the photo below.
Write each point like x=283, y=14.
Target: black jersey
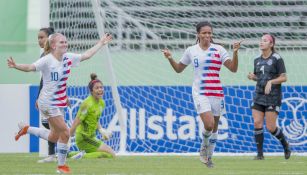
x=265, y=70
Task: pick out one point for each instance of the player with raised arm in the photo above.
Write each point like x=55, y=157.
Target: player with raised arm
x=269, y=73
x=87, y=122
x=207, y=59
x=42, y=38
x=55, y=68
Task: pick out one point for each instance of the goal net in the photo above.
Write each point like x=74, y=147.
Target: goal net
x=149, y=108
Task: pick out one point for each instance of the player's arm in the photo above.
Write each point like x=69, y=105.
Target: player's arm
x=178, y=67
x=74, y=125
x=82, y=112
x=90, y=52
x=280, y=79
x=281, y=71
x=104, y=133
x=22, y=67
x=252, y=76
x=232, y=64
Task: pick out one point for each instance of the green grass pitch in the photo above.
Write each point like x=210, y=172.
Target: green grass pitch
x=158, y=165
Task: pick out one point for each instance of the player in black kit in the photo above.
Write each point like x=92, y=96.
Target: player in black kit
x=269, y=72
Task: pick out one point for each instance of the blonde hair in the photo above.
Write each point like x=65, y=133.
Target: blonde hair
x=51, y=39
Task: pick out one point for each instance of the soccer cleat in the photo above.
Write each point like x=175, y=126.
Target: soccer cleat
x=63, y=169
x=23, y=129
x=259, y=157
x=203, y=159
x=50, y=158
x=79, y=155
x=203, y=153
x=287, y=152
x=209, y=163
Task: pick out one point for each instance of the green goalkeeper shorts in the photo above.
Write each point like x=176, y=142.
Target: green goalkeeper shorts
x=88, y=144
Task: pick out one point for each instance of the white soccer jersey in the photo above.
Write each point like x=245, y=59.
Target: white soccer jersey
x=55, y=74
x=207, y=66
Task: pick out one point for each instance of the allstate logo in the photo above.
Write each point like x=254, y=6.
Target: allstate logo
x=72, y=110
x=293, y=122
x=70, y=116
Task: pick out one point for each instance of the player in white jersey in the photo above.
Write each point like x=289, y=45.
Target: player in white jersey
x=55, y=68
x=207, y=59
x=42, y=38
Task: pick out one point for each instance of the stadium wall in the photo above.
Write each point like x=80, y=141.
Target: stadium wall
x=14, y=103
x=236, y=128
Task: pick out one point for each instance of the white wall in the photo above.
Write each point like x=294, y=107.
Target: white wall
x=14, y=105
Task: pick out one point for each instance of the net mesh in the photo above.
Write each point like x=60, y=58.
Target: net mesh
x=157, y=103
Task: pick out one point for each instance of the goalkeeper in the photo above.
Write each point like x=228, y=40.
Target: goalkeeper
x=87, y=122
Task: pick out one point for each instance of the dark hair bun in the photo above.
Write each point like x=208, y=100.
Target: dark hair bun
x=93, y=76
x=51, y=30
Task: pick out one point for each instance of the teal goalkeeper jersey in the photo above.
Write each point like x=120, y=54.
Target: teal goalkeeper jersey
x=89, y=114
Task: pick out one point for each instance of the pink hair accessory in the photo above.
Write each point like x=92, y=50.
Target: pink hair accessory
x=94, y=81
x=268, y=37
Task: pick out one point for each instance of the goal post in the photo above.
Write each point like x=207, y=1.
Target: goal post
x=149, y=107
x=100, y=18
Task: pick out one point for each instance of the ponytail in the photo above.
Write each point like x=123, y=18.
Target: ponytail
x=47, y=48
x=49, y=41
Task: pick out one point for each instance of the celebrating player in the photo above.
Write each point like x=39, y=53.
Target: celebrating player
x=87, y=122
x=55, y=68
x=43, y=35
x=269, y=73
x=207, y=59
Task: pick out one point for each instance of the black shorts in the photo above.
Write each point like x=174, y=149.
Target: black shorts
x=264, y=109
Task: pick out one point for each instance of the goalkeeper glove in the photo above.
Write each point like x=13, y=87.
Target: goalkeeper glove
x=105, y=134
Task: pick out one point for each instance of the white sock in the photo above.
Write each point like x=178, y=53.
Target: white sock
x=39, y=132
x=212, y=144
x=206, y=136
x=62, y=149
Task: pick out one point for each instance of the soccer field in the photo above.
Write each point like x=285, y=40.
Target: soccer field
x=152, y=165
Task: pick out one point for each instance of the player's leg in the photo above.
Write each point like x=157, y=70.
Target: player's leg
x=26, y=129
x=218, y=108
x=208, y=122
x=212, y=141
x=93, y=148
x=109, y=152
x=39, y=132
x=203, y=108
x=59, y=126
x=271, y=117
x=43, y=133
x=51, y=147
x=258, y=116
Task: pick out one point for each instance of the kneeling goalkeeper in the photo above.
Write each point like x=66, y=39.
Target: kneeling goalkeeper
x=87, y=122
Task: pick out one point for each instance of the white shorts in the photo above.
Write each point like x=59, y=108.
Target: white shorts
x=47, y=111
x=204, y=104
